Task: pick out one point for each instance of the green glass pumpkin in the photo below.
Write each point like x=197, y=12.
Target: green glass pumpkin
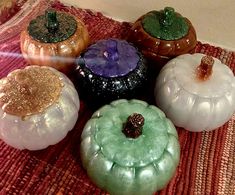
x=121, y=163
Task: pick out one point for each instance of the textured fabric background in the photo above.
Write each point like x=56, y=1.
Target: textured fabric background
x=207, y=163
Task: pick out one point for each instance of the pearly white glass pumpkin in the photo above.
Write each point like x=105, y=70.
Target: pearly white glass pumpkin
x=196, y=92
x=40, y=129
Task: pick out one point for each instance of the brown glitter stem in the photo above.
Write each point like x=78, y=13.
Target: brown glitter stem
x=133, y=126
x=204, y=70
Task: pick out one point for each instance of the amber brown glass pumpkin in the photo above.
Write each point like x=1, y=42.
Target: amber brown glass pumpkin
x=54, y=39
x=162, y=35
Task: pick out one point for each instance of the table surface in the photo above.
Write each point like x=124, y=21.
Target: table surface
x=207, y=163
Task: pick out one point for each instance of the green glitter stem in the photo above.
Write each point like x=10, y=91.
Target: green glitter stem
x=52, y=23
x=168, y=17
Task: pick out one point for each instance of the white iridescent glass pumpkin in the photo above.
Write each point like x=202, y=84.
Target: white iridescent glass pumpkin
x=38, y=106
x=196, y=92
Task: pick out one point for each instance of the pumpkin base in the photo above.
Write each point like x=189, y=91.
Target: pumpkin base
x=156, y=62
x=95, y=100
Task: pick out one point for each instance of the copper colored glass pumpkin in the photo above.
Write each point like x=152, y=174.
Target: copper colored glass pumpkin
x=54, y=39
x=162, y=35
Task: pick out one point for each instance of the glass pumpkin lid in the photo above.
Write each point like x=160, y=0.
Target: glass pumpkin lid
x=111, y=58
x=29, y=91
x=165, y=24
x=202, y=75
x=52, y=27
x=114, y=132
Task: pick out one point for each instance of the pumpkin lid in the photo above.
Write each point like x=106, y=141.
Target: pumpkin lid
x=198, y=78
x=108, y=126
x=52, y=27
x=29, y=91
x=111, y=58
x=165, y=24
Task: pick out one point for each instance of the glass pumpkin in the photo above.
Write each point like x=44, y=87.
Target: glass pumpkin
x=196, y=92
x=163, y=35
x=54, y=39
x=111, y=69
x=38, y=106
x=130, y=147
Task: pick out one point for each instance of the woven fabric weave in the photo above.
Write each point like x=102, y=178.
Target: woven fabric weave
x=207, y=163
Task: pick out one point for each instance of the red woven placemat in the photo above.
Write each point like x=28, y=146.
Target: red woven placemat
x=207, y=163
